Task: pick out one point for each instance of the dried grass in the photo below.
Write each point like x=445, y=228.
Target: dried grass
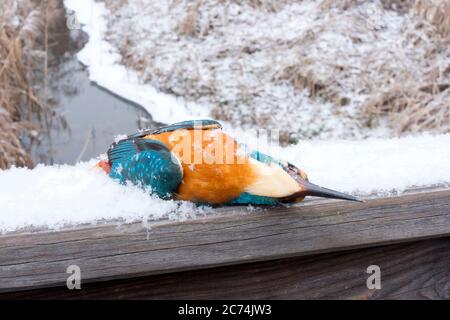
x=437, y=13
x=411, y=108
x=11, y=148
x=22, y=25
x=401, y=6
x=189, y=25
x=411, y=104
x=269, y=5
x=192, y=24
x=343, y=4
x=303, y=78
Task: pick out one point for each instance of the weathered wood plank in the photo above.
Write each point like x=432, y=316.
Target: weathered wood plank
x=109, y=252
x=415, y=270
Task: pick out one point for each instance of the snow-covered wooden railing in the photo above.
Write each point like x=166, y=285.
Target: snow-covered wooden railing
x=105, y=252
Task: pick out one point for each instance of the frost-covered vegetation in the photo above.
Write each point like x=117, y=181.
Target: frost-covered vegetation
x=311, y=68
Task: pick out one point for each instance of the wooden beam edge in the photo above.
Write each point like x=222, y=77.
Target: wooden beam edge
x=428, y=208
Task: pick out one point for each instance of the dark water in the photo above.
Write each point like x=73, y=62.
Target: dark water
x=92, y=115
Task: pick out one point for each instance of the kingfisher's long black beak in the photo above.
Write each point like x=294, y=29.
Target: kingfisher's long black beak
x=311, y=189
x=318, y=191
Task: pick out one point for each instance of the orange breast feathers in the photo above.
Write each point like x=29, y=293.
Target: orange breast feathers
x=215, y=167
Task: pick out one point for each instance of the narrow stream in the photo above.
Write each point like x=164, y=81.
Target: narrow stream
x=93, y=116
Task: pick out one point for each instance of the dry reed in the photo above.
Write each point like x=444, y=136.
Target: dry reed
x=22, y=110
x=411, y=104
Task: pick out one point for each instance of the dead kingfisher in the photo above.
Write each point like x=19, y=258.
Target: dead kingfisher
x=196, y=161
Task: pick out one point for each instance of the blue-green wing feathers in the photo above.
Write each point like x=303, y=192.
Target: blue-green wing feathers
x=146, y=163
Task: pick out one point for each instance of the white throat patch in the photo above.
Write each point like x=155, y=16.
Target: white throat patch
x=272, y=181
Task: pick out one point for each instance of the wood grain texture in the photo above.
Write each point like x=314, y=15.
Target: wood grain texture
x=417, y=270
x=109, y=252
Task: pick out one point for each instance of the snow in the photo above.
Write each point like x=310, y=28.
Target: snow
x=102, y=60
x=57, y=196
x=375, y=165
x=60, y=196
